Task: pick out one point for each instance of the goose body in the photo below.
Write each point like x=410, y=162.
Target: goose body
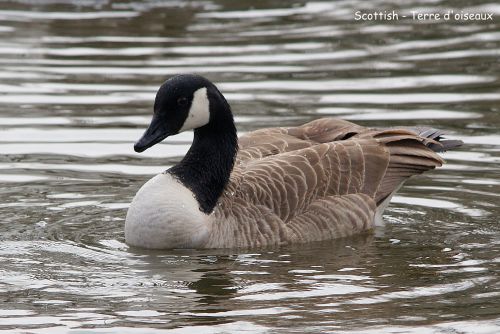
x=322, y=180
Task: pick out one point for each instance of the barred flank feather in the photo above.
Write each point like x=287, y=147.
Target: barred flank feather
x=322, y=180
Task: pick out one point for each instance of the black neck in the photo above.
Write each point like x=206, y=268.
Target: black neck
x=206, y=168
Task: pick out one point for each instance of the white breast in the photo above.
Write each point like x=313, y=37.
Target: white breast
x=165, y=214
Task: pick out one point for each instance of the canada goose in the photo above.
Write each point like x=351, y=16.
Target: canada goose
x=322, y=180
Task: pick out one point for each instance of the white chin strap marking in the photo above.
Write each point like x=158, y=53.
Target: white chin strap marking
x=199, y=113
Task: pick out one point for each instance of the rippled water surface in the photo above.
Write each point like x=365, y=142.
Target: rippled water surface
x=77, y=83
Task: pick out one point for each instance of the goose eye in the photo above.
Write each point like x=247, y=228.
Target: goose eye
x=182, y=101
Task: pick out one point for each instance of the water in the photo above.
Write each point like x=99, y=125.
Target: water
x=77, y=84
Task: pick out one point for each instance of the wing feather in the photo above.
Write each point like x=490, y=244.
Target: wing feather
x=318, y=181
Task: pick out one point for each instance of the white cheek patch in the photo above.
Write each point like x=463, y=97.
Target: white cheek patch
x=199, y=113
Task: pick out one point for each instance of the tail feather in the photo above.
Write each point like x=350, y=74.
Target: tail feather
x=412, y=152
x=442, y=144
x=446, y=144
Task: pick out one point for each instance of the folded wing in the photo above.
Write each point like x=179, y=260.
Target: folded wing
x=323, y=179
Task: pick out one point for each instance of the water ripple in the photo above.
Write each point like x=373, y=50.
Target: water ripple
x=78, y=80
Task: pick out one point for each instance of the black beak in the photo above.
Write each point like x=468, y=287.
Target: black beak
x=155, y=133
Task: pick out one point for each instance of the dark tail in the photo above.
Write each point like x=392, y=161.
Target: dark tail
x=437, y=135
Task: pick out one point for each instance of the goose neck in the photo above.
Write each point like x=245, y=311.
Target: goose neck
x=207, y=166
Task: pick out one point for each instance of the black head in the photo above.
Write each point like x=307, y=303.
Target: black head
x=182, y=103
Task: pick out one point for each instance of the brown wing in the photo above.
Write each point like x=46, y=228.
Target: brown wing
x=317, y=181
x=289, y=182
x=271, y=141
x=409, y=148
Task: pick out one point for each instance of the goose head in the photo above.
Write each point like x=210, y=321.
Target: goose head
x=183, y=102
